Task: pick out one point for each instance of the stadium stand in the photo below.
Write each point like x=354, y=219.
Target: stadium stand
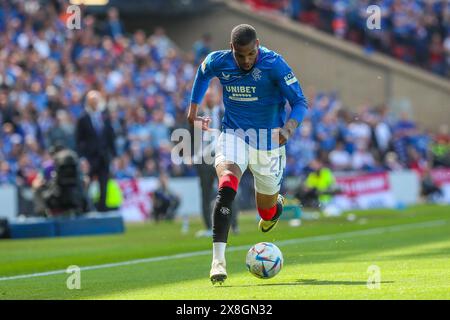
x=416, y=32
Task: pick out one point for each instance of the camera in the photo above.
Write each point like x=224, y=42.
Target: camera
x=63, y=193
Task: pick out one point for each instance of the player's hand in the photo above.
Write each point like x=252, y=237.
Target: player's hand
x=200, y=122
x=280, y=135
x=196, y=121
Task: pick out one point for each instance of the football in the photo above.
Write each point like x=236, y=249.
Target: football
x=264, y=260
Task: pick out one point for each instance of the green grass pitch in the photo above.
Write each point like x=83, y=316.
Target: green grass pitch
x=327, y=258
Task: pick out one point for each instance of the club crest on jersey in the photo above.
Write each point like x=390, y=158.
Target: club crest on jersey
x=256, y=74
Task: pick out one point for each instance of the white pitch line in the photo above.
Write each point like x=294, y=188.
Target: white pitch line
x=349, y=234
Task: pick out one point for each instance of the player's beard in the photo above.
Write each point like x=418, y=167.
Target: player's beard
x=247, y=68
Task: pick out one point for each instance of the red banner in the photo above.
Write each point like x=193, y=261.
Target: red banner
x=353, y=186
x=364, y=191
x=137, y=204
x=440, y=176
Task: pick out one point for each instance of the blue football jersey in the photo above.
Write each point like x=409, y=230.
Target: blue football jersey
x=253, y=99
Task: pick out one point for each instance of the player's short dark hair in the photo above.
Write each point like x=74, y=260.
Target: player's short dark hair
x=243, y=34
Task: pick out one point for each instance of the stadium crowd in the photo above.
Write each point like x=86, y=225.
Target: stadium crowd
x=415, y=31
x=372, y=139
x=46, y=70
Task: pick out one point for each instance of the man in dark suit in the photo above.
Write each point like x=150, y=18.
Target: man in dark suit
x=95, y=140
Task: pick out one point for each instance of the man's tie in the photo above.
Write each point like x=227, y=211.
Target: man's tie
x=98, y=122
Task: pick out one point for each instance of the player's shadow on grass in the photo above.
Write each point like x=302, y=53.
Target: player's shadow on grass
x=312, y=282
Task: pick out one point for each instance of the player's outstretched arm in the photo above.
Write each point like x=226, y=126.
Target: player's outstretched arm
x=281, y=135
x=288, y=130
x=292, y=91
x=195, y=120
x=201, y=83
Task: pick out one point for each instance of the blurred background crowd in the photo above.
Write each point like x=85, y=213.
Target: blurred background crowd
x=414, y=31
x=372, y=139
x=46, y=71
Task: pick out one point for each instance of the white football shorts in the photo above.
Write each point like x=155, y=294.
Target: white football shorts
x=267, y=166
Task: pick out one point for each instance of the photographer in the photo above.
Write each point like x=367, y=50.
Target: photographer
x=165, y=202
x=430, y=191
